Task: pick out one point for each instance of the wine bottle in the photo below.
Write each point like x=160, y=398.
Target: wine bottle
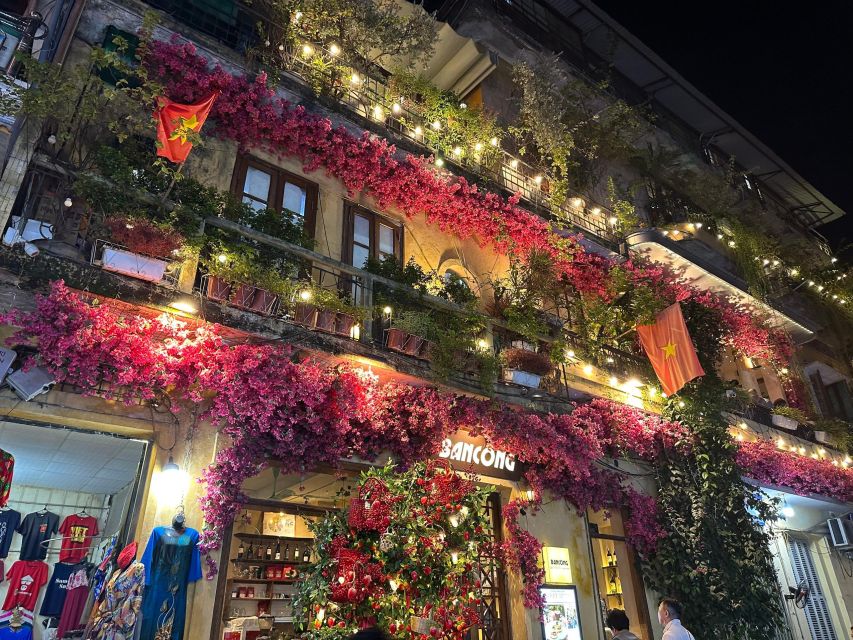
x=306, y=554
x=269, y=551
x=609, y=559
x=277, y=555
x=296, y=553
x=287, y=551
x=241, y=551
x=250, y=552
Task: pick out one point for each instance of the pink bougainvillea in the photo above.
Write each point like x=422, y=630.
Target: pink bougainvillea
x=249, y=112
x=305, y=415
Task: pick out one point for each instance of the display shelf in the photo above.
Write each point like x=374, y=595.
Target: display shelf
x=262, y=536
x=609, y=566
x=288, y=563
x=262, y=581
x=616, y=593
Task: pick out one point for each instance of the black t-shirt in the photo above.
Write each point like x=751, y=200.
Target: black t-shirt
x=9, y=521
x=57, y=589
x=36, y=528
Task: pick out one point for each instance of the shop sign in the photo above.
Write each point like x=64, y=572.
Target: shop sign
x=468, y=453
x=560, y=616
x=558, y=569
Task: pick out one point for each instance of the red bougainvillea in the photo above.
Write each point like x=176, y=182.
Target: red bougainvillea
x=305, y=415
x=249, y=112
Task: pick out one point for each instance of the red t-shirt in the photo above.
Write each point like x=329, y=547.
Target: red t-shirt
x=77, y=532
x=26, y=578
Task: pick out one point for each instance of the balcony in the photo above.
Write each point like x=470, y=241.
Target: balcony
x=366, y=96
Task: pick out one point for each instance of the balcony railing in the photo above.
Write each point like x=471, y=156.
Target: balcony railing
x=367, y=94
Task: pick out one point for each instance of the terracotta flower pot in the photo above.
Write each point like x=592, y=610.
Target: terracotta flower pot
x=263, y=301
x=305, y=314
x=218, y=289
x=326, y=320
x=426, y=351
x=395, y=338
x=344, y=323
x=413, y=345
x=243, y=296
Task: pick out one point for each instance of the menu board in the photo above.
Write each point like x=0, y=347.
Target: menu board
x=560, y=616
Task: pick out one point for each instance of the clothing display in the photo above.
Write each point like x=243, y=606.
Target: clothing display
x=117, y=612
x=7, y=466
x=26, y=578
x=9, y=521
x=172, y=560
x=54, y=597
x=17, y=624
x=72, y=608
x=77, y=532
x=36, y=528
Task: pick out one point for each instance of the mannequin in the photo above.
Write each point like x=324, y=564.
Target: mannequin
x=173, y=563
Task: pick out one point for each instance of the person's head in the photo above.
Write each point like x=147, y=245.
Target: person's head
x=373, y=633
x=669, y=609
x=617, y=620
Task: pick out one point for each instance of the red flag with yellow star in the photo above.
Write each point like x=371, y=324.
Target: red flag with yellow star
x=176, y=122
x=670, y=350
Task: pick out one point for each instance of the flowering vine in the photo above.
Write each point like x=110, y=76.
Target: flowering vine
x=305, y=415
x=249, y=112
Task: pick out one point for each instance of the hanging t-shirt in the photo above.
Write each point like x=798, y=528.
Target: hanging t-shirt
x=7, y=467
x=9, y=521
x=57, y=589
x=36, y=528
x=26, y=578
x=77, y=532
x=24, y=632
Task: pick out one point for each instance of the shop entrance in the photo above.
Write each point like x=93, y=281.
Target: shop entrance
x=618, y=581
x=270, y=543
x=71, y=493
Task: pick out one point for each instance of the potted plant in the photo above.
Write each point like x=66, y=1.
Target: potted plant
x=525, y=367
x=235, y=274
x=322, y=308
x=832, y=430
x=413, y=333
x=146, y=247
x=788, y=418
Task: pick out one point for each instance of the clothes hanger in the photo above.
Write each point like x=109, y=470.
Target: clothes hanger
x=43, y=510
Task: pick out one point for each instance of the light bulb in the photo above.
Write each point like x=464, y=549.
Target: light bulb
x=418, y=130
x=834, y=260
x=613, y=220
x=765, y=262
x=436, y=125
x=681, y=404
x=457, y=151
x=387, y=310
x=68, y=202
x=462, y=105
x=570, y=354
x=698, y=225
x=439, y=162
x=537, y=179
x=222, y=258
x=587, y=369
x=613, y=381
x=780, y=443
x=51, y=139
x=378, y=112
x=396, y=107
x=739, y=437
x=354, y=79
x=595, y=211
x=307, y=50
x=719, y=236
x=297, y=16
x=281, y=47
x=513, y=163
x=732, y=244
x=482, y=344
x=493, y=142
x=577, y=203
x=334, y=49
x=305, y=295
x=478, y=146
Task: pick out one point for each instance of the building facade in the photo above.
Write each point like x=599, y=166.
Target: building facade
x=279, y=242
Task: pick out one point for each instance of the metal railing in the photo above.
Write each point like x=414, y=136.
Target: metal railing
x=368, y=95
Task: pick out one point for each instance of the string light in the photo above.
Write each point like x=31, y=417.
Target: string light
x=354, y=79
x=698, y=225
x=457, y=151
x=418, y=130
x=613, y=220
x=719, y=236
x=436, y=125
x=780, y=443
x=493, y=142
x=613, y=381
x=587, y=369
x=514, y=163
x=396, y=107
x=595, y=211
x=732, y=244
x=577, y=203
x=478, y=147
x=307, y=50
x=439, y=162
x=537, y=179
x=378, y=112
x=334, y=49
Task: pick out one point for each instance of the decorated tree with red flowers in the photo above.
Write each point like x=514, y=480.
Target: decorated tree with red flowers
x=404, y=556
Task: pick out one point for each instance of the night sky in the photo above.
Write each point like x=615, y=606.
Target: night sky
x=783, y=70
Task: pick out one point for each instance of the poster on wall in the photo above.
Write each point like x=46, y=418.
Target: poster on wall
x=279, y=524
x=560, y=616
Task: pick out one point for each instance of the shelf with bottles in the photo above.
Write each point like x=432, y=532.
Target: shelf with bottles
x=263, y=580
x=299, y=553
x=610, y=559
x=260, y=536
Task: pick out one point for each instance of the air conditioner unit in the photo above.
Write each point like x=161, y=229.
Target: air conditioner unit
x=7, y=357
x=31, y=383
x=840, y=533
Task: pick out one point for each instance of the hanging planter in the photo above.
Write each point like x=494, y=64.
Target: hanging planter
x=524, y=367
x=395, y=339
x=134, y=265
x=344, y=323
x=243, y=296
x=305, y=314
x=413, y=344
x=217, y=288
x=326, y=320
x=263, y=301
x=141, y=248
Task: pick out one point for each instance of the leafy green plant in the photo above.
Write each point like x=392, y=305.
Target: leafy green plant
x=525, y=360
x=791, y=412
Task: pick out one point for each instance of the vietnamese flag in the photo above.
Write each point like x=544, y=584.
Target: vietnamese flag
x=670, y=350
x=175, y=121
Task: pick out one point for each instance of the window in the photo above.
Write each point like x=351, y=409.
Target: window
x=263, y=186
x=369, y=235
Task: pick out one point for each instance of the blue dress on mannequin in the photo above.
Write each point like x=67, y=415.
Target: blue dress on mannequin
x=172, y=561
